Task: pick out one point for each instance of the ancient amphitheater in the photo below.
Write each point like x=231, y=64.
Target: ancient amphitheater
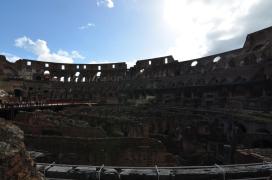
x=207, y=118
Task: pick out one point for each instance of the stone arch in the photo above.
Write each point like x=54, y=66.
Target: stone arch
x=46, y=72
x=18, y=93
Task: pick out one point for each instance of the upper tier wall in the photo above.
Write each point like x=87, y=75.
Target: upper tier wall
x=257, y=48
x=25, y=63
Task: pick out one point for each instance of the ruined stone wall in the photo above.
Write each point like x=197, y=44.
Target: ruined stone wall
x=53, y=123
x=197, y=136
x=239, y=79
x=36, y=70
x=15, y=162
x=107, y=151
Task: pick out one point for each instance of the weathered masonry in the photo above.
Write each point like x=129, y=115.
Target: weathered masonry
x=239, y=78
x=163, y=118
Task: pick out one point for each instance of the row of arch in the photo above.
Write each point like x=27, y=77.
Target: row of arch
x=219, y=63
x=75, y=78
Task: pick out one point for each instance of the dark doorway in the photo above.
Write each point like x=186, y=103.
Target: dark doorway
x=18, y=93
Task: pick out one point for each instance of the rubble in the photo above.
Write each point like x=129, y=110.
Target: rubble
x=15, y=162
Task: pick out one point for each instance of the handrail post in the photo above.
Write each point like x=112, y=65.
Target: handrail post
x=222, y=170
x=158, y=172
x=99, y=172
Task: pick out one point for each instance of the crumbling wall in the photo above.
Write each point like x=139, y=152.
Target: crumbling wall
x=52, y=123
x=238, y=79
x=15, y=162
x=107, y=151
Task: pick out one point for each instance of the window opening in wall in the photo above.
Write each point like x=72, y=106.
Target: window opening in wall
x=216, y=59
x=69, y=79
x=28, y=63
x=76, y=80
x=46, y=65
x=77, y=74
x=113, y=66
x=62, y=79
x=99, y=68
x=166, y=61
x=62, y=67
x=55, y=78
x=149, y=62
x=83, y=79
x=194, y=63
x=46, y=73
x=77, y=66
x=98, y=74
x=142, y=70
x=84, y=67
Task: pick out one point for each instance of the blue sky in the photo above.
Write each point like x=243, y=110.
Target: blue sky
x=94, y=31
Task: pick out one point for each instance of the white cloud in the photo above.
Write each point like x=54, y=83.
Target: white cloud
x=76, y=55
x=10, y=57
x=87, y=26
x=43, y=53
x=99, y=62
x=108, y=3
x=203, y=27
x=130, y=63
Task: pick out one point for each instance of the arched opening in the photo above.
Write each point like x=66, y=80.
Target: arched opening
x=216, y=59
x=46, y=72
x=62, y=79
x=38, y=78
x=55, y=78
x=166, y=61
x=194, y=63
x=46, y=75
x=18, y=93
x=98, y=74
x=77, y=74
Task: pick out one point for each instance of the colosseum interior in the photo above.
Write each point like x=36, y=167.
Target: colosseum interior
x=207, y=118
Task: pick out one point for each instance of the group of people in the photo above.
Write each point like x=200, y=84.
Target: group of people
x=4, y=105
